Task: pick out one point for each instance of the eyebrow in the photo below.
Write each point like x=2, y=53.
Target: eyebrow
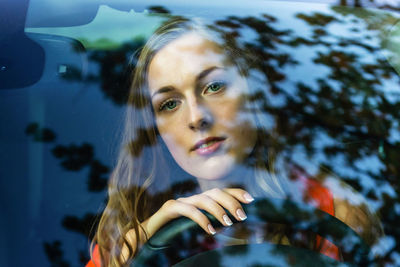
x=199, y=77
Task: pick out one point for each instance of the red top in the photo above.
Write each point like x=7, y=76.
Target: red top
x=314, y=193
x=95, y=261
x=320, y=197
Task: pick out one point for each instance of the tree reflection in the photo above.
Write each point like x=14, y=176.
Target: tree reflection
x=389, y=5
x=73, y=158
x=40, y=134
x=347, y=106
x=55, y=254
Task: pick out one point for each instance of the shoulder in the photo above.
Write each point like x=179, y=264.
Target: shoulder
x=330, y=194
x=353, y=209
x=95, y=261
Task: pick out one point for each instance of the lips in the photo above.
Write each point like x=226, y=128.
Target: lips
x=208, y=145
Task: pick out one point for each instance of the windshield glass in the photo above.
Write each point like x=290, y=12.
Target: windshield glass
x=294, y=103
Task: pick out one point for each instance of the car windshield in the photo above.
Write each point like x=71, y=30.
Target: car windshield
x=113, y=109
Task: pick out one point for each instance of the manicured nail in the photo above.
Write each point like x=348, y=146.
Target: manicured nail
x=227, y=220
x=211, y=229
x=241, y=215
x=248, y=197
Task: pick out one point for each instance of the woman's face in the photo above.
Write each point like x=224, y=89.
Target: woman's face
x=199, y=104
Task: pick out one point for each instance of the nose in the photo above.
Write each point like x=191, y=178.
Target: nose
x=200, y=117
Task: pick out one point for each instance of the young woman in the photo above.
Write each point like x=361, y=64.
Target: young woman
x=191, y=99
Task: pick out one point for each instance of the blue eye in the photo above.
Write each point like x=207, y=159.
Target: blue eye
x=214, y=87
x=169, y=105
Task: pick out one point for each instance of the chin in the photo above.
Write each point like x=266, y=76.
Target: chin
x=211, y=169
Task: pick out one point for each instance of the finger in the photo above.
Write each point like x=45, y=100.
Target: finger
x=240, y=194
x=227, y=201
x=206, y=203
x=191, y=212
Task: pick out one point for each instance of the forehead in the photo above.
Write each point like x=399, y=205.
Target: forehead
x=182, y=59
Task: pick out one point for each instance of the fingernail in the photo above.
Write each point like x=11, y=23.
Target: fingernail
x=241, y=215
x=211, y=229
x=248, y=197
x=227, y=220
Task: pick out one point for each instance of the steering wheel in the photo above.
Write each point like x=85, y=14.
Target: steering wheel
x=162, y=248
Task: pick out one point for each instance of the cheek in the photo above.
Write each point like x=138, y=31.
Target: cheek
x=180, y=154
x=173, y=136
x=167, y=130
x=231, y=113
x=240, y=122
x=176, y=150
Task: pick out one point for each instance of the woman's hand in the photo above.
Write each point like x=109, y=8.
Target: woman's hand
x=213, y=201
